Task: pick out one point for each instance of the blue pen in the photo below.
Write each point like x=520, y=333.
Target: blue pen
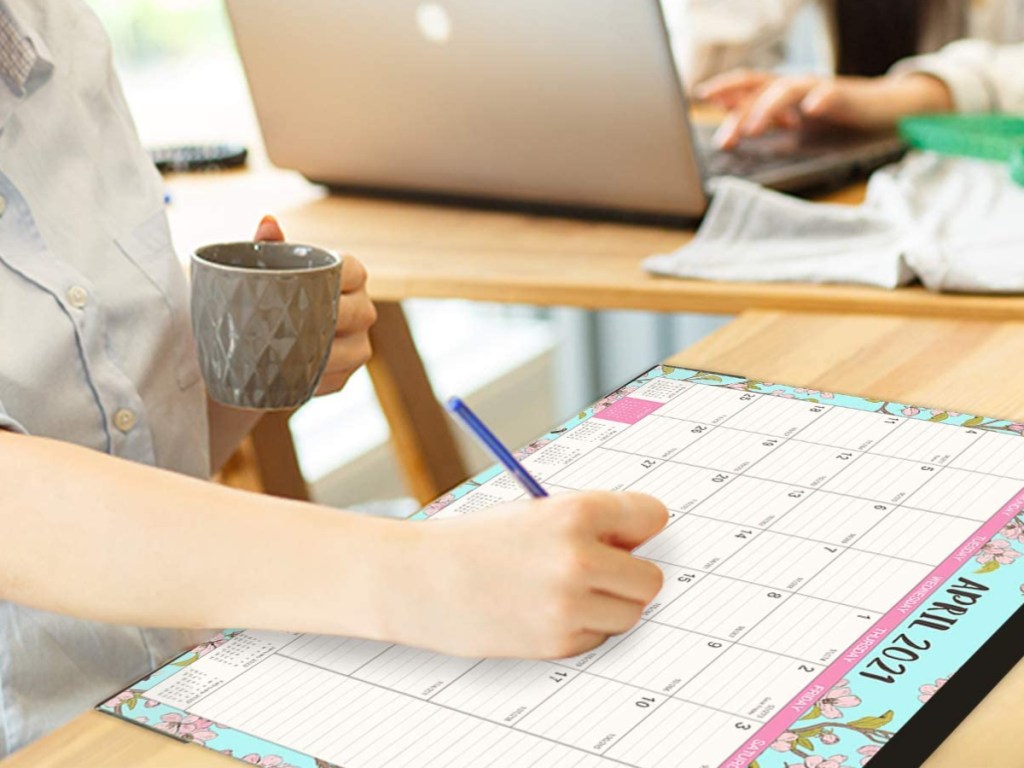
x=491, y=443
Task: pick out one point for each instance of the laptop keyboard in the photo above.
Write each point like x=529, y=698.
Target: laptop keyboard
x=780, y=149
x=738, y=163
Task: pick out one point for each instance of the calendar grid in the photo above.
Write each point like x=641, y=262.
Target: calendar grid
x=258, y=662
x=853, y=459
x=823, y=541
x=569, y=465
x=734, y=642
x=812, y=488
x=787, y=506
x=463, y=712
x=975, y=471
x=765, y=586
x=695, y=512
x=361, y=666
x=751, y=399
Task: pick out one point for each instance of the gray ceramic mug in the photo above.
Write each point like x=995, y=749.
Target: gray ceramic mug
x=263, y=315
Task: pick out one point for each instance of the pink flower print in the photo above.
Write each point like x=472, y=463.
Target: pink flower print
x=187, y=728
x=816, y=761
x=839, y=697
x=1018, y=428
x=613, y=398
x=741, y=385
x=212, y=644
x=439, y=504
x=1013, y=530
x=868, y=752
x=151, y=703
x=120, y=700
x=785, y=742
x=789, y=395
x=829, y=737
x=998, y=550
x=270, y=761
x=911, y=411
x=535, y=446
x=815, y=393
x=927, y=690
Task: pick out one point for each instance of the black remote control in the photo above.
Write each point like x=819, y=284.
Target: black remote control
x=198, y=157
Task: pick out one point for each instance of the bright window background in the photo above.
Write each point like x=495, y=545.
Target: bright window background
x=179, y=69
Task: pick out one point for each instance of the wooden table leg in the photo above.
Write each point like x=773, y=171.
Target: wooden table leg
x=265, y=462
x=275, y=456
x=420, y=431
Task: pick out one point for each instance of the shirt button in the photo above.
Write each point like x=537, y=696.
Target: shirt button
x=78, y=297
x=124, y=419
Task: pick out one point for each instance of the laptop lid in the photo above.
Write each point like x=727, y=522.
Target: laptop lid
x=575, y=103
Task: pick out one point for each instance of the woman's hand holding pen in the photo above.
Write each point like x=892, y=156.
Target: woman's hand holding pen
x=546, y=578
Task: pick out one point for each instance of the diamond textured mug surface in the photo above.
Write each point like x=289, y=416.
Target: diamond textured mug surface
x=264, y=316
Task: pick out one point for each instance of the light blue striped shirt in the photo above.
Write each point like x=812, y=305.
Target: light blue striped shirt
x=95, y=343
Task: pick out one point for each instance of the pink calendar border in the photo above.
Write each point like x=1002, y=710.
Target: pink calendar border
x=878, y=632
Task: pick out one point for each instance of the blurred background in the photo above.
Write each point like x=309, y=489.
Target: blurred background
x=524, y=368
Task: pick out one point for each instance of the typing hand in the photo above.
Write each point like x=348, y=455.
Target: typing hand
x=547, y=578
x=759, y=101
x=351, y=348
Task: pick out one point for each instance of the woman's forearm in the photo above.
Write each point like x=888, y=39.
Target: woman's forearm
x=101, y=538
x=105, y=539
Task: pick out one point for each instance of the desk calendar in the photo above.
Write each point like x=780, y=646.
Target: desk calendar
x=832, y=565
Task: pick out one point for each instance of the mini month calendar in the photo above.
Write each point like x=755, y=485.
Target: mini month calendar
x=831, y=564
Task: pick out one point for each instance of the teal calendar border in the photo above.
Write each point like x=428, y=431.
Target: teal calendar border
x=858, y=729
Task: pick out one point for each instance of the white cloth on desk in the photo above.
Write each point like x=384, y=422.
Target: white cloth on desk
x=956, y=224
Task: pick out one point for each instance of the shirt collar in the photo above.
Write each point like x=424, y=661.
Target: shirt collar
x=42, y=67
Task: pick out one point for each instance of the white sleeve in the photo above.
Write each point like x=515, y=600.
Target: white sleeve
x=713, y=36
x=10, y=424
x=981, y=76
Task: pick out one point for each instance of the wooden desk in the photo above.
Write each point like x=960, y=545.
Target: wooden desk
x=415, y=250
x=440, y=252
x=428, y=251
x=930, y=362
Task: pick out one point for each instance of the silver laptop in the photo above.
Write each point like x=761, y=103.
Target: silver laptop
x=557, y=105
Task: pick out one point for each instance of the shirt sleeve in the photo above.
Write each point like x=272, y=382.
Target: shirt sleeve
x=981, y=76
x=710, y=37
x=10, y=424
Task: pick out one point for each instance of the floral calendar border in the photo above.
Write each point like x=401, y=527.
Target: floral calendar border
x=845, y=714
x=133, y=705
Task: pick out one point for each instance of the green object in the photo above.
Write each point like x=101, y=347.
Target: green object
x=988, y=137
x=1017, y=166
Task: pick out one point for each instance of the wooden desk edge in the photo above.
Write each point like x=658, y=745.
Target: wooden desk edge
x=666, y=294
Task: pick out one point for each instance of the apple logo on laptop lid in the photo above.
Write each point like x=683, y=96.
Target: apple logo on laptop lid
x=434, y=22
